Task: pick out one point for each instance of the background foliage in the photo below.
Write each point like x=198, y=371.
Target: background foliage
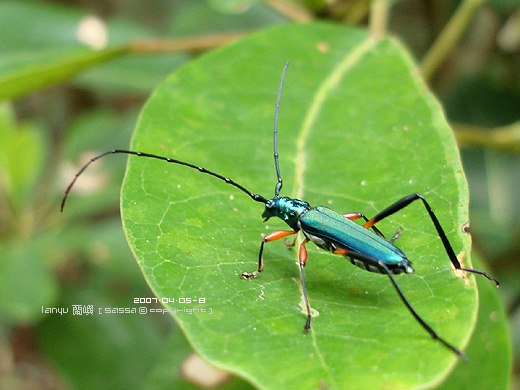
x=62, y=102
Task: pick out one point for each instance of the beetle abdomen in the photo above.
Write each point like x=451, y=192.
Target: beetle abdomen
x=331, y=231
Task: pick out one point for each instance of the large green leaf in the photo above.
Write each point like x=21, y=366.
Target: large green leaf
x=357, y=131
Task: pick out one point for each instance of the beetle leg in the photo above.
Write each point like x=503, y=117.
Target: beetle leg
x=290, y=244
x=276, y=235
x=417, y=316
x=384, y=268
x=396, y=235
x=402, y=203
x=354, y=216
x=303, y=259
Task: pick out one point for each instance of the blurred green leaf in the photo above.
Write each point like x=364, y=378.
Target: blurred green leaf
x=515, y=330
x=489, y=351
x=26, y=284
x=494, y=178
x=358, y=130
x=31, y=25
x=100, y=351
x=97, y=128
x=168, y=373
x=131, y=74
x=47, y=69
x=21, y=156
x=45, y=44
x=231, y=6
x=505, y=5
x=196, y=17
x=89, y=135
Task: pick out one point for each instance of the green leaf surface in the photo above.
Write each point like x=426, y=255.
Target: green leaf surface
x=358, y=130
x=489, y=351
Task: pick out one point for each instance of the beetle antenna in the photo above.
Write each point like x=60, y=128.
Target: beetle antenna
x=279, y=184
x=256, y=197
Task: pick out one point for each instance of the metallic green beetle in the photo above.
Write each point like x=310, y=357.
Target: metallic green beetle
x=367, y=249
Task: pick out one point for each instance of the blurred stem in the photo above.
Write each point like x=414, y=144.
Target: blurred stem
x=505, y=138
x=379, y=10
x=291, y=11
x=358, y=10
x=350, y=12
x=449, y=36
x=183, y=44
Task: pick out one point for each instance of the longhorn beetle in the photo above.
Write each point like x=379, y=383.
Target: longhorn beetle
x=339, y=234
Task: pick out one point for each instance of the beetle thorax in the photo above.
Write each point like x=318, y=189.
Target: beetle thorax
x=287, y=209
